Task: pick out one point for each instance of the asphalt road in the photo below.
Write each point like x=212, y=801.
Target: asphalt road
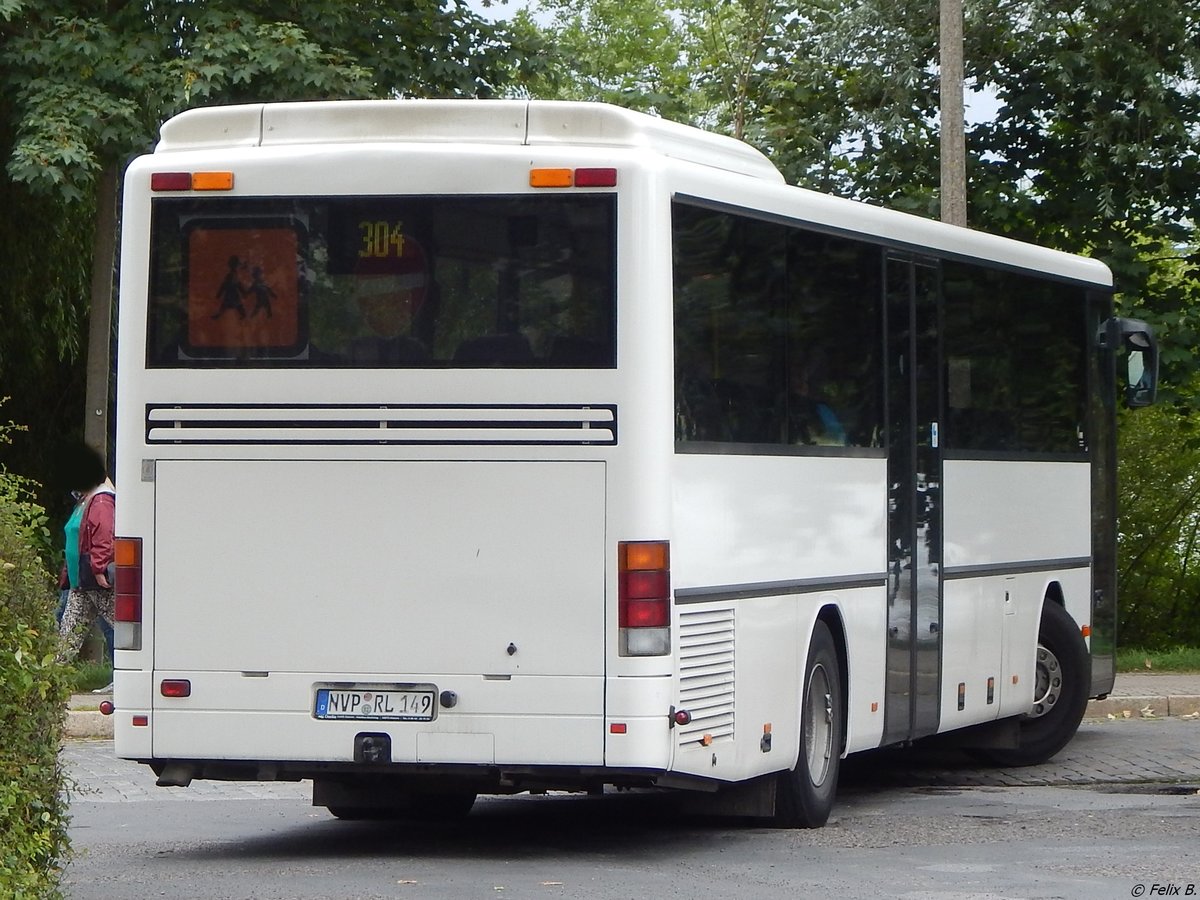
x=1117, y=813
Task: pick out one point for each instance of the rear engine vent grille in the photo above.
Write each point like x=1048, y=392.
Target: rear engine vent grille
x=706, y=675
x=380, y=424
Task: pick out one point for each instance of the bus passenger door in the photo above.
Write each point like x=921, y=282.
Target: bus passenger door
x=913, y=686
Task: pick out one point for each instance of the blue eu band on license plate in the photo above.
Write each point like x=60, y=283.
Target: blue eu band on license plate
x=416, y=704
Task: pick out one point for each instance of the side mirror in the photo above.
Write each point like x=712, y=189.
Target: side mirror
x=1136, y=338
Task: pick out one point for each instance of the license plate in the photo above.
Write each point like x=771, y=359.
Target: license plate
x=377, y=703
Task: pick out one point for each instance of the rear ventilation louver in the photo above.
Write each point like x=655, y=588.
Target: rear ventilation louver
x=380, y=424
x=706, y=675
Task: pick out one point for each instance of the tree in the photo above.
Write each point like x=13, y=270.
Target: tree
x=626, y=52
x=847, y=96
x=1159, y=574
x=86, y=85
x=689, y=61
x=729, y=45
x=1094, y=148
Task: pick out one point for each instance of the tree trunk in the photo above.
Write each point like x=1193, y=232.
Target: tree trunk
x=99, y=356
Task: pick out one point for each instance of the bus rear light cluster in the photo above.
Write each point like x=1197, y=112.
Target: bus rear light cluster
x=127, y=629
x=191, y=181
x=591, y=177
x=644, y=598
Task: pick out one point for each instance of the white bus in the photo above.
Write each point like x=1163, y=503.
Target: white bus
x=497, y=446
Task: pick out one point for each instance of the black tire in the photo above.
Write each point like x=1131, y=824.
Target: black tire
x=1060, y=691
x=804, y=796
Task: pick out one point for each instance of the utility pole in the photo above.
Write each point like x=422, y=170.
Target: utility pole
x=953, y=139
x=99, y=358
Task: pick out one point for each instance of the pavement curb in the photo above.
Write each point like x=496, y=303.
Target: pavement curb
x=90, y=724
x=1156, y=707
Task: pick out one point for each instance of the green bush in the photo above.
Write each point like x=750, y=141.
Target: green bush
x=33, y=811
x=1159, y=543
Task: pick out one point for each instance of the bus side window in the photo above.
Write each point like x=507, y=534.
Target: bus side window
x=494, y=349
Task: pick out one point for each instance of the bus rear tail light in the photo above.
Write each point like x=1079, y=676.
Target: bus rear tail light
x=127, y=629
x=644, y=598
x=191, y=181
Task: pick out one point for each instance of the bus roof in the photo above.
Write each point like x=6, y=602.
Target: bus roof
x=516, y=122
x=550, y=123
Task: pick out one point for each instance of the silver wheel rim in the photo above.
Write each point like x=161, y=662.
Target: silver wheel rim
x=818, y=725
x=1048, y=682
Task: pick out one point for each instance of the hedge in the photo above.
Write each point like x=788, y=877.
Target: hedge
x=33, y=806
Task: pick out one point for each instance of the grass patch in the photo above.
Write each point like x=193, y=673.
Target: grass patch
x=1174, y=659
x=90, y=675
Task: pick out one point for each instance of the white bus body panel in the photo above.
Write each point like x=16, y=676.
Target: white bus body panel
x=757, y=519
x=988, y=523
x=741, y=524
x=510, y=616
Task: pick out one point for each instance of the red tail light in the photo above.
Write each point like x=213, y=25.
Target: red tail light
x=644, y=597
x=127, y=630
x=175, y=687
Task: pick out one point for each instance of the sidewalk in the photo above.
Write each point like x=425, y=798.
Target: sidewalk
x=1148, y=695
x=1135, y=696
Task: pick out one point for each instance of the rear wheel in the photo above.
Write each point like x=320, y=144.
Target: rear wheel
x=1062, y=681
x=804, y=796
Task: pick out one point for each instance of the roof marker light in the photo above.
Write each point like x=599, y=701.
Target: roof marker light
x=171, y=181
x=212, y=181
x=595, y=177
x=550, y=178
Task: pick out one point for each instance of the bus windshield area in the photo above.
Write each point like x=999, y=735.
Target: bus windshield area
x=366, y=282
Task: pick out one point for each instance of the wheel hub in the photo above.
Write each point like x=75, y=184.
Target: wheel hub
x=1048, y=682
x=818, y=735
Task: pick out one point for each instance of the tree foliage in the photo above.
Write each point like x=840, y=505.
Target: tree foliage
x=1160, y=529
x=85, y=87
x=626, y=52
x=93, y=86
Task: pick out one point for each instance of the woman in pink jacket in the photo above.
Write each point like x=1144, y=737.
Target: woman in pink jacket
x=89, y=543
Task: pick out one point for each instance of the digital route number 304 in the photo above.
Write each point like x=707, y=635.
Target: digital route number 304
x=381, y=240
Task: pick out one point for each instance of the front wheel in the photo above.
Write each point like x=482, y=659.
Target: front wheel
x=1062, y=681
x=804, y=796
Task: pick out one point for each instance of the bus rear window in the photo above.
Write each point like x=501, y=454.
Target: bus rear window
x=497, y=281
